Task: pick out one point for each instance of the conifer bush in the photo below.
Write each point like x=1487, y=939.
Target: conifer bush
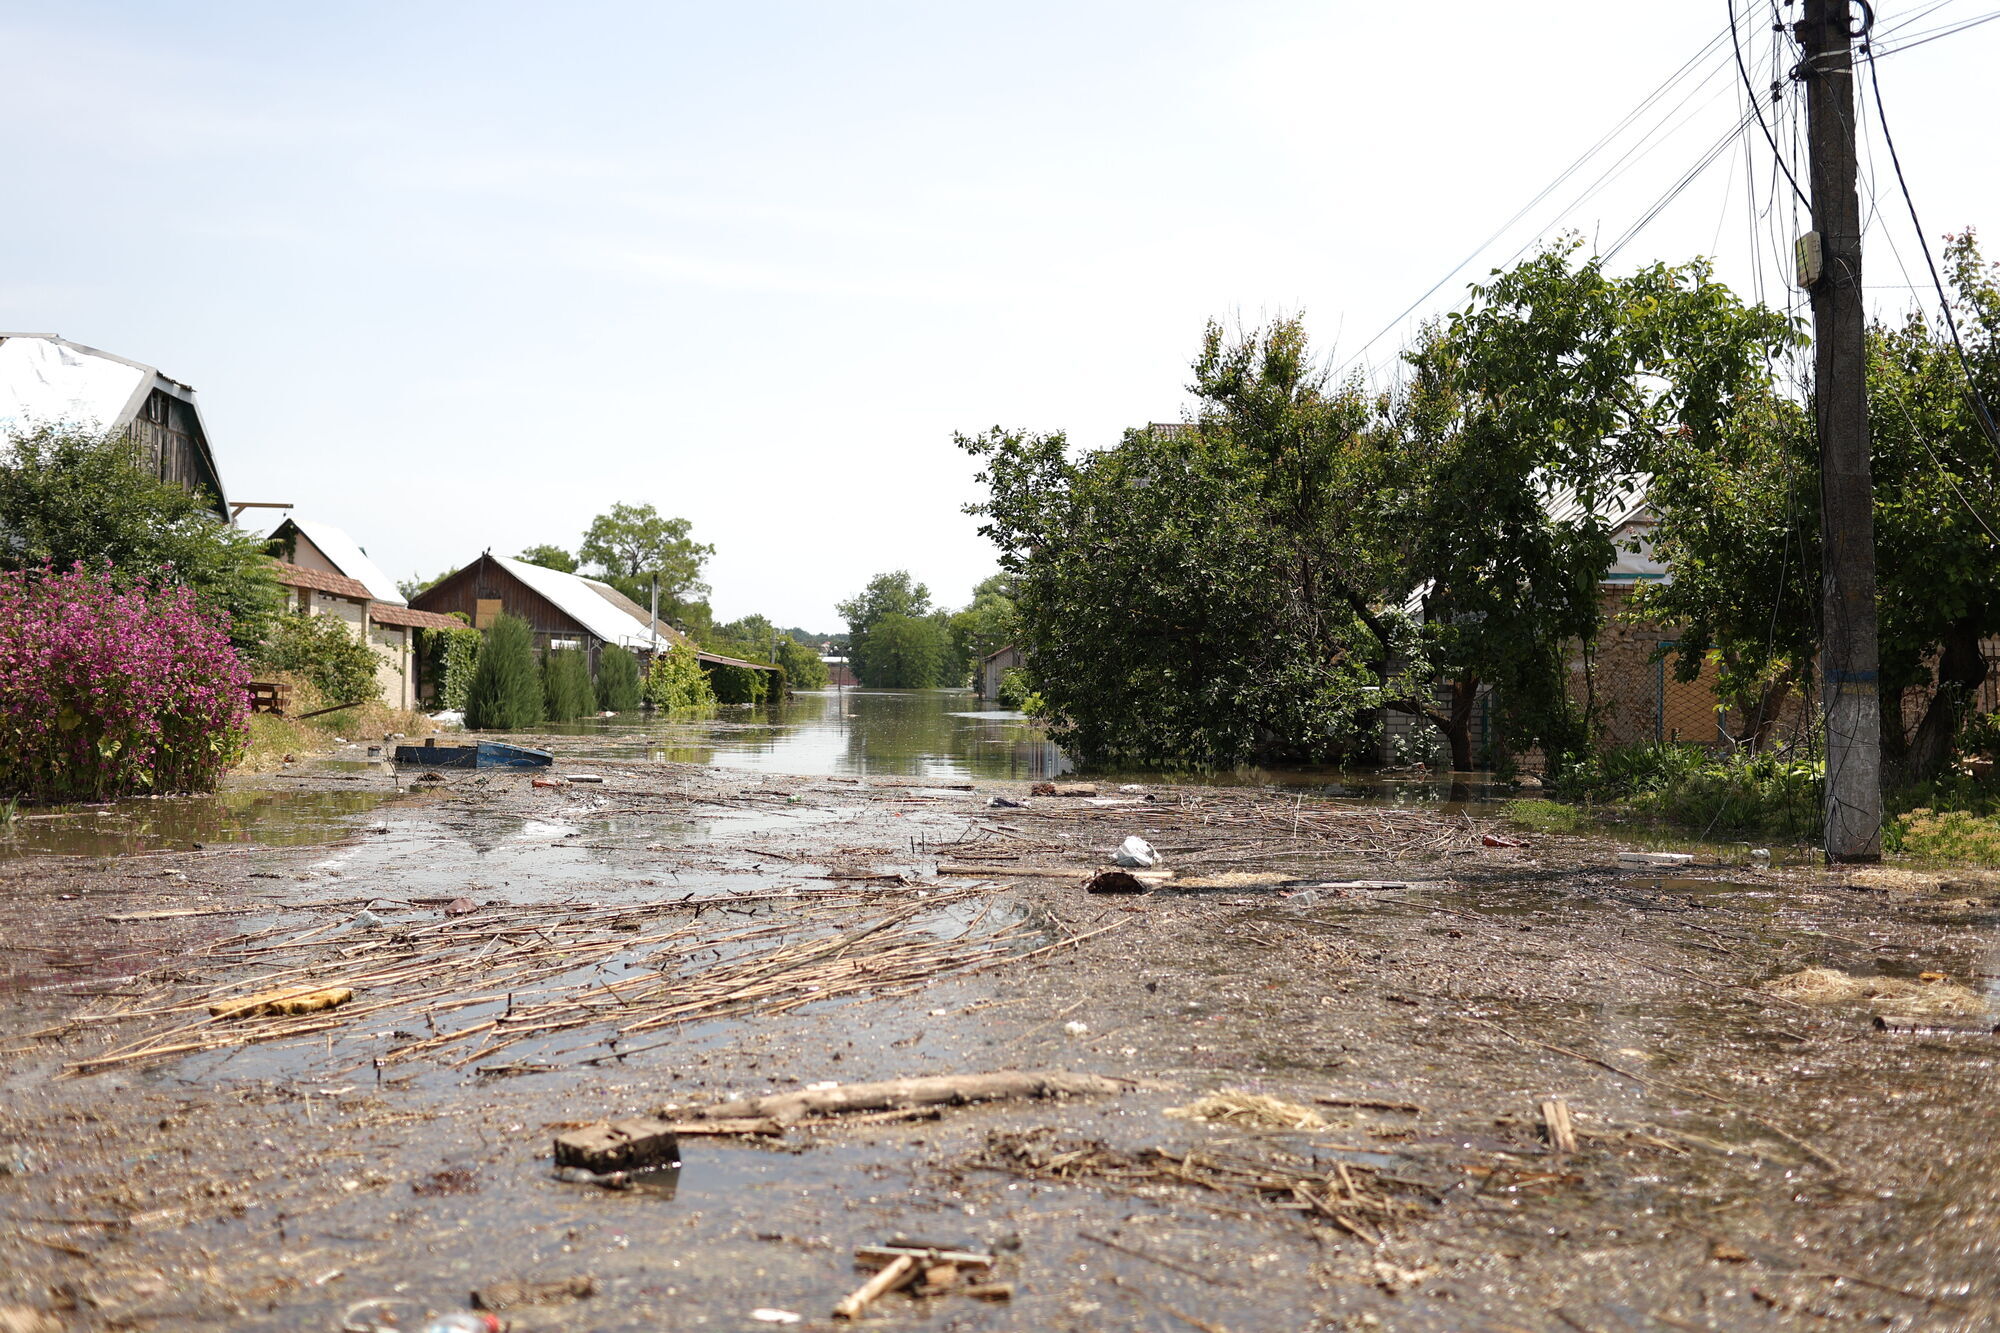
x=567, y=693
x=506, y=689
x=618, y=687
x=676, y=682
x=112, y=688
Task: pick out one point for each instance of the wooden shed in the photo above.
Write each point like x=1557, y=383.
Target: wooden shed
x=47, y=380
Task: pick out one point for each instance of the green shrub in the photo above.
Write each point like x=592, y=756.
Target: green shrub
x=1945, y=835
x=506, y=690
x=448, y=657
x=1016, y=686
x=1631, y=769
x=1763, y=794
x=1539, y=816
x=323, y=650
x=803, y=668
x=618, y=686
x=735, y=684
x=676, y=683
x=567, y=693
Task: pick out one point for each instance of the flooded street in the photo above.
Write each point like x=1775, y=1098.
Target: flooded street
x=766, y=904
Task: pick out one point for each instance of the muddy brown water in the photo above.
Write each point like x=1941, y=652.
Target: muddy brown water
x=1746, y=1163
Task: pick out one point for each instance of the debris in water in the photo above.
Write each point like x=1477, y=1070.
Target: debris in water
x=766, y=1315
x=1069, y=789
x=583, y=777
x=460, y=907
x=1557, y=1126
x=1930, y=1027
x=294, y=1000
x=1654, y=858
x=1250, y=1110
x=579, y=1175
x=1003, y=803
x=1501, y=840
x=1137, y=852
x=1824, y=985
x=620, y=1145
x=1124, y=881
x=1076, y=1029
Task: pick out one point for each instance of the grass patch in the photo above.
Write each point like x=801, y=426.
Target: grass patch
x=1543, y=816
x=275, y=739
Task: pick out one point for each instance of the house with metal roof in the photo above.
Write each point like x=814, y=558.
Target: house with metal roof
x=49, y=380
x=562, y=610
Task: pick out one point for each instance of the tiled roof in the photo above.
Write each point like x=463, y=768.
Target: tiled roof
x=388, y=613
x=339, y=585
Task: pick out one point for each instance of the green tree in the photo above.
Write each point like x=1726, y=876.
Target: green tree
x=1201, y=594
x=802, y=664
x=449, y=657
x=416, y=585
x=630, y=544
x=1522, y=426
x=548, y=557
x=70, y=496
x=567, y=693
x=618, y=686
x=894, y=593
x=506, y=689
x=986, y=625
x=676, y=683
x=901, y=652
x=323, y=651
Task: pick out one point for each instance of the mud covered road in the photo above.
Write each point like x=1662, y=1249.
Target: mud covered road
x=527, y=959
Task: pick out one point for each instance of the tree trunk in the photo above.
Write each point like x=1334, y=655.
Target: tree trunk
x=1961, y=670
x=1457, y=725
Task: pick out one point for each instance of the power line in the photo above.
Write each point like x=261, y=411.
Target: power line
x=1934, y=34
x=1736, y=40
x=1944, y=301
x=1645, y=104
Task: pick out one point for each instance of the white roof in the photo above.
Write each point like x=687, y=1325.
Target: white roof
x=349, y=558
x=44, y=379
x=581, y=602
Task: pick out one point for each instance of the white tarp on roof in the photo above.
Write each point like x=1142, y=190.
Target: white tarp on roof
x=44, y=380
x=348, y=557
x=580, y=603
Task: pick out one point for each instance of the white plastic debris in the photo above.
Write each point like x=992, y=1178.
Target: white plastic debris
x=821, y=1087
x=1760, y=853
x=1136, y=851
x=766, y=1315
x=1076, y=1029
x=367, y=920
x=1654, y=858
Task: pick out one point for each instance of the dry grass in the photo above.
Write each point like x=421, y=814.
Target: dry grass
x=1250, y=1110
x=1824, y=985
x=275, y=739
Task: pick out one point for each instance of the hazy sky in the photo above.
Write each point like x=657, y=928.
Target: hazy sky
x=454, y=276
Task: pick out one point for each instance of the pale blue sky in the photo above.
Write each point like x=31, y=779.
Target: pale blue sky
x=458, y=275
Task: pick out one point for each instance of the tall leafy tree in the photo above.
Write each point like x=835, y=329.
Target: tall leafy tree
x=549, y=557
x=901, y=652
x=1203, y=593
x=1523, y=425
x=630, y=544
x=70, y=496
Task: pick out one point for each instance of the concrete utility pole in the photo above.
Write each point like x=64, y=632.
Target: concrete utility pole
x=1850, y=685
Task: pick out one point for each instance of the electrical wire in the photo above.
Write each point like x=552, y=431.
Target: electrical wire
x=1944, y=301
x=1934, y=34
x=1750, y=92
x=1645, y=104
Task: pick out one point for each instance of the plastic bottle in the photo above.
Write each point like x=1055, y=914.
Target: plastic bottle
x=463, y=1321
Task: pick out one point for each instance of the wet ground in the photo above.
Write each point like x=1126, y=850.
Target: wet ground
x=1744, y=1161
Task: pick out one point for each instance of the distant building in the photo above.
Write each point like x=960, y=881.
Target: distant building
x=47, y=380
x=325, y=572
x=839, y=671
x=994, y=667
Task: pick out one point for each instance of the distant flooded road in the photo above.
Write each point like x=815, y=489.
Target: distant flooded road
x=941, y=734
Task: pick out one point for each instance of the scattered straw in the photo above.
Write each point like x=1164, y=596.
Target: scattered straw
x=1250, y=1110
x=1824, y=985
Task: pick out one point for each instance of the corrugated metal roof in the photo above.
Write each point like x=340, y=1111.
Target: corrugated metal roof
x=1624, y=501
x=668, y=634
x=348, y=557
x=46, y=379
x=577, y=598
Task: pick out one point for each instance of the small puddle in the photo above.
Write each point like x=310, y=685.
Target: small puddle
x=147, y=824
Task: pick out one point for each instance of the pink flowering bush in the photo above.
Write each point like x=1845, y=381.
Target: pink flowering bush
x=108, y=692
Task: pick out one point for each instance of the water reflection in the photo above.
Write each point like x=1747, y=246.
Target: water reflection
x=270, y=818
x=941, y=735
